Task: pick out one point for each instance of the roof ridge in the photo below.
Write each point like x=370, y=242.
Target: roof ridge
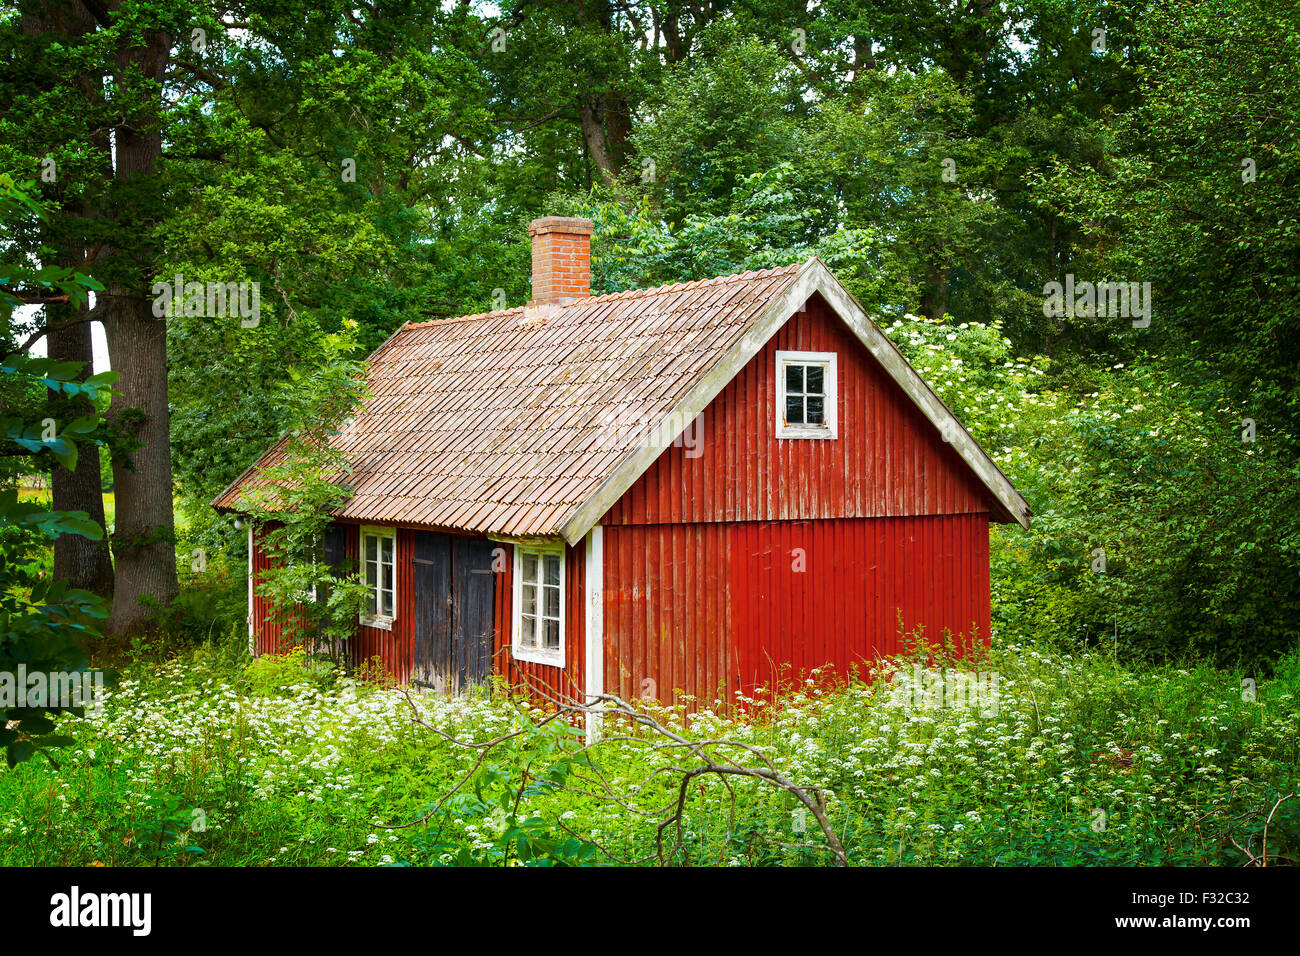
x=622, y=294
x=694, y=284
x=463, y=318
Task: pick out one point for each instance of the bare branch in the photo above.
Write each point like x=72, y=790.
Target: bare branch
x=706, y=758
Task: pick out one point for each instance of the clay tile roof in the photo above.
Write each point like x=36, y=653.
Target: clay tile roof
x=506, y=422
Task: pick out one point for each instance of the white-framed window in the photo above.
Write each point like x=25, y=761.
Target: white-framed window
x=805, y=395
x=379, y=565
x=539, y=603
x=311, y=593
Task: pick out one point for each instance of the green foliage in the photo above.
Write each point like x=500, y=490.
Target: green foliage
x=294, y=496
x=767, y=224
x=503, y=794
x=1196, y=193
x=1192, y=190
x=166, y=835
x=715, y=122
x=1179, y=582
x=1181, y=762
x=45, y=625
x=272, y=674
x=1150, y=468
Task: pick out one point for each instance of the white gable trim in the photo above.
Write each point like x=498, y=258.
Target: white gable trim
x=813, y=277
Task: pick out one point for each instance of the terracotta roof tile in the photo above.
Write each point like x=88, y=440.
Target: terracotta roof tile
x=506, y=421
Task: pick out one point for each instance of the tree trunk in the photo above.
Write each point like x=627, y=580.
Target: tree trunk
x=143, y=542
x=144, y=531
x=934, y=303
x=79, y=561
x=864, y=61
x=144, y=537
x=593, y=134
x=618, y=129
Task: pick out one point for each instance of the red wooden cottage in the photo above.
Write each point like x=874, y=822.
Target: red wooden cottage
x=681, y=490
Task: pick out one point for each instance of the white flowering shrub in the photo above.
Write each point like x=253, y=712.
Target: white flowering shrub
x=1073, y=760
x=1146, y=465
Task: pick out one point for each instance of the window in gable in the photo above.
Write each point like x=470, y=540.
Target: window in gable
x=805, y=395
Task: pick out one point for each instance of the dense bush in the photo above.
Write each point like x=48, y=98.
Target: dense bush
x=1162, y=523
x=1073, y=760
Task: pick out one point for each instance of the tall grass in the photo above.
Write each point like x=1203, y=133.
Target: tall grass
x=1075, y=761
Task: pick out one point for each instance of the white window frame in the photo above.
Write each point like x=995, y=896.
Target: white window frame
x=309, y=595
x=379, y=620
x=830, y=428
x=312, y=594
x=535, y=655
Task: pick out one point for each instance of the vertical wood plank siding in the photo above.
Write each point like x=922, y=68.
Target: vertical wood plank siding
x=708, y=609
x=702, y=595
x=888, y=459
x=269, y=634
x=393, y=647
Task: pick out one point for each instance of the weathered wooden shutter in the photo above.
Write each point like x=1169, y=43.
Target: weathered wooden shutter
x=334, y=550
x=334, y=555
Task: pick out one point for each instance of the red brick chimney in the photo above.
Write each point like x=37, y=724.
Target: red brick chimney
x=561, y=259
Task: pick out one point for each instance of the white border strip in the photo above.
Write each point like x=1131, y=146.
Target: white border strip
x=594, y=594
x=252, y=630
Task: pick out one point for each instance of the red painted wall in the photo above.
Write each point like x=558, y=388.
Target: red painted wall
x=269, y=630
x=668, y=611
x=867, y=586
x=702, y=595
x=706, y=609
x=887, y=460
x=393, y=646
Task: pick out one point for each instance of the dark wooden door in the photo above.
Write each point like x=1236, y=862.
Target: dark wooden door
x=471, y=611
x=431, y=610
x=452, y=603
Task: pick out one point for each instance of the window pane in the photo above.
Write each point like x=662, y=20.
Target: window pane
x=794, y=378
x=388, y=577
x=552, y=606
x=552, y=635
x=370, y=604
x=388, y=604
x=794, y=410
x=553, y=570
x=816, y=411
x=527, y=633
x=372, y=574
x=529, y=566
x=528, y=599
x=372, y=544
x=815, y=375
x=387, y=546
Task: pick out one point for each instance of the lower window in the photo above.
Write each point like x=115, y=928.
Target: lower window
x=539, y=604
